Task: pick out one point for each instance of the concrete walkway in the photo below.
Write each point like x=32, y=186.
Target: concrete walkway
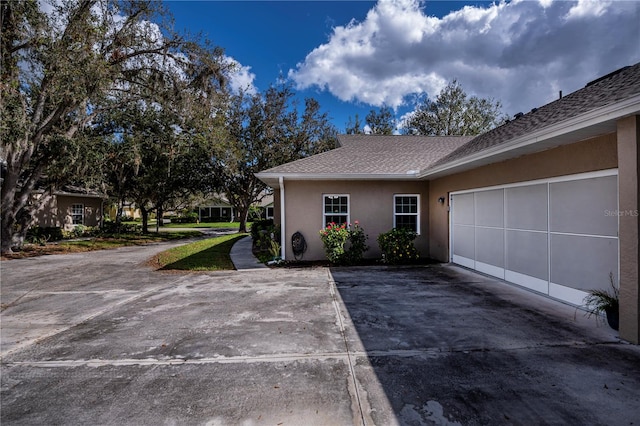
x=242, y=256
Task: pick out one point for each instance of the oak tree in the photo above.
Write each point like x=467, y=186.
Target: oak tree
x=454, y=113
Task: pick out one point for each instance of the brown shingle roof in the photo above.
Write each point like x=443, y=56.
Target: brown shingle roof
x=612, y=88
x=375, y=155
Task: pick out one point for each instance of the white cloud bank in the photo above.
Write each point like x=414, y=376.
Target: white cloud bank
x=520, y=53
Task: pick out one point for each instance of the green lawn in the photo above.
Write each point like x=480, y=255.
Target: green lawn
x=122, y=240
x=225, y=225
x=211, y=254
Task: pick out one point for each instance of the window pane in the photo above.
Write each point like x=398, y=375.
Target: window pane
x=337, y=219
x=407, y=205
x=336, y=209
x=77, y=214
x=407, y=222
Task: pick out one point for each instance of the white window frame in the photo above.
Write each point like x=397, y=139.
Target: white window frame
x=395, y=196
x=324, y=215
x=74, y=214
x=267, y=215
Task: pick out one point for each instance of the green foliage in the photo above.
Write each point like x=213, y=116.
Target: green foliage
x=334, y=237
x=357, y=244
x=41, y=235
x=189, y=217
x=113, y=228
x=266, y=240
x=397, y=246
x=260, y=227
x=454, y=114
x=274, y=249
x=77, y=231
x=343, y=244
x=382, y=122
x=354, y=127
x=599, y=301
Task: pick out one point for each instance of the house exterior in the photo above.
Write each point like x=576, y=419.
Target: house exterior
x=218, y=209
x=129, y=210
x=548, y=201
x=69, y=207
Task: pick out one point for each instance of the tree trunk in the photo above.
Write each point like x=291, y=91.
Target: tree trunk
x=160, y=214
x=6, y=230
x=15, y=214
x=145, y=219
x=243, y=213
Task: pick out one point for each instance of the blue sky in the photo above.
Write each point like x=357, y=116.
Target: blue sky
x=354, y=56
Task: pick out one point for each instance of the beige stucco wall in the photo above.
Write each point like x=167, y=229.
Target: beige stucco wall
x=56, y=211
x=593, y=154
x=371, y=203
x=629, y=220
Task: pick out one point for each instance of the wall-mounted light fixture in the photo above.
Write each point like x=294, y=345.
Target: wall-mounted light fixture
x=441, y=200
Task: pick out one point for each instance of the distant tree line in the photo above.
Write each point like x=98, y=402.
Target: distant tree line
x=451, y=113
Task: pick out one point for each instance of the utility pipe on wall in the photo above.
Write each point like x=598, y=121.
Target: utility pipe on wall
x=283, y=239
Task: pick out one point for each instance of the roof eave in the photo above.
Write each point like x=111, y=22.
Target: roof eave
x=273, y=178
x=592, y=123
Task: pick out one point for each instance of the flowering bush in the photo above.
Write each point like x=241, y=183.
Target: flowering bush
x=335, y=237
x=397, y=246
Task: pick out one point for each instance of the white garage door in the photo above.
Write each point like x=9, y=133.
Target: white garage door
x=557, y=236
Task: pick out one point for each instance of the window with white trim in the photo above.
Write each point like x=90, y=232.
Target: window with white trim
x=336, y=209
x=406, y=213
x=77, y=214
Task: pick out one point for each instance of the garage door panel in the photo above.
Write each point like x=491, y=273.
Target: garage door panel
x=526, y=207
x=582, y=262
x=489, y=208
x=490, y=246
x=580, y=206
x=463, y=241
x=528, y=253
x=554, y=236
x=464, y=209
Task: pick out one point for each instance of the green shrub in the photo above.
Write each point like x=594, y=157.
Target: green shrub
x=259, y=227
x=344, y=245
x=111, y=228
x=41, y=235
x=188, y=217
x=397, y=246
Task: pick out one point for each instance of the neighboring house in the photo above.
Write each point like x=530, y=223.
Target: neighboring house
x=218, y=209
x=129, y=210
x=69, y=207
x=548, y=201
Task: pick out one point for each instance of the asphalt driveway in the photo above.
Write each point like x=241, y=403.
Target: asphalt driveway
x=99, y=338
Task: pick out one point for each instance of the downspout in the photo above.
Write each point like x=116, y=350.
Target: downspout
x=283, y=240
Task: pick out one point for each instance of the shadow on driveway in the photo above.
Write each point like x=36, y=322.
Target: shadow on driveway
x=440, y=345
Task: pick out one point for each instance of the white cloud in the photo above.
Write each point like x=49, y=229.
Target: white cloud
x=588, y=8
x=241, y=77
x=520, y=53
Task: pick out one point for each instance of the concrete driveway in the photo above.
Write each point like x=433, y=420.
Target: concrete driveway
x=99, y=338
